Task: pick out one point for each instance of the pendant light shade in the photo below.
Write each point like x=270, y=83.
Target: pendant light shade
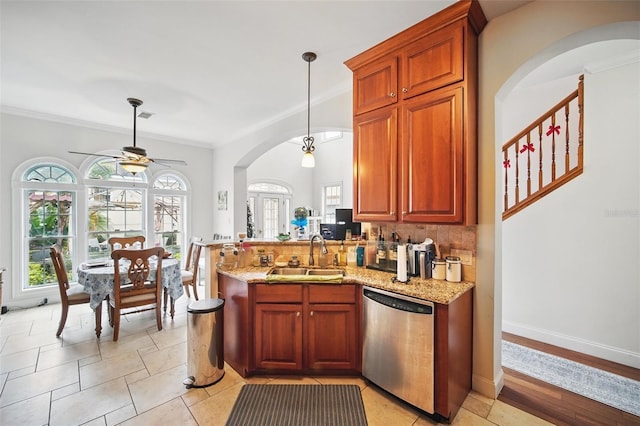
x=307, y=159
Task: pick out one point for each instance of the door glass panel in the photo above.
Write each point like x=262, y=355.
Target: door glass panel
x=270, y=218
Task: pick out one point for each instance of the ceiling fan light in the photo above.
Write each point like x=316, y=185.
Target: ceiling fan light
x=308, y=160
x=133, y=167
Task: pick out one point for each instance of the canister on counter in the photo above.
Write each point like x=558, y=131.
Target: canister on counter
x=439, y=269
x=454, y=269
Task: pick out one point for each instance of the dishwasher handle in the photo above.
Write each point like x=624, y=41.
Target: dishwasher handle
x=400, y=304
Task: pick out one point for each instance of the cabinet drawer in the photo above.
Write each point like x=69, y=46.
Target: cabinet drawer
x=283, y=293
x=332, y=293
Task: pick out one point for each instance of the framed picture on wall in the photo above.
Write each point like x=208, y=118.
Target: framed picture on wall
x=222, y=200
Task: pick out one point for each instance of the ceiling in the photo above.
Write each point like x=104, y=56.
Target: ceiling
x=209, y=71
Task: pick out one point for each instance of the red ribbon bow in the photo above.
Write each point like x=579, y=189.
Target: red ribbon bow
x=529, y=147
x=506, y=163
x=553, y=129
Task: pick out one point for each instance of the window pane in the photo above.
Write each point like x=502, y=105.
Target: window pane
x=332, y=200
x=50, y=222
x=49, y=173
x=109, y=169
x=168, y=223
x=113, y=212
x=270, y=217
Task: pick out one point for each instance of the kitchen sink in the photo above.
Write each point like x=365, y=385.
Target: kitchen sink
x=325, y=271
x=288, y=271
x=316, y=272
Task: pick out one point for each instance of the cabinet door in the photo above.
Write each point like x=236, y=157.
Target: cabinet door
x=375, y=154
x=432, y=157
x=278, y=336
x=375, y=85
x=331, y=337
x=433, y=61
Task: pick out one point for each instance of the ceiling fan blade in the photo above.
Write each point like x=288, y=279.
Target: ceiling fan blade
x=170, y=161
x=119, y=157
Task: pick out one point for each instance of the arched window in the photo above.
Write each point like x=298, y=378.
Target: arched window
x=115, y=204
x=169, y=195
x=48, y=193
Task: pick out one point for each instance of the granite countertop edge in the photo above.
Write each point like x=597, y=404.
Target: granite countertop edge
x=437, y=291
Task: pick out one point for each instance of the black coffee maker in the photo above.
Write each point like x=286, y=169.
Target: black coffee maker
x=420, y=257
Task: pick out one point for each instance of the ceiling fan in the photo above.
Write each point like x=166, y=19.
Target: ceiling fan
x=134, y=158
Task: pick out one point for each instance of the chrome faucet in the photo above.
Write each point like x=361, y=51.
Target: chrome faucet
x=323, y=245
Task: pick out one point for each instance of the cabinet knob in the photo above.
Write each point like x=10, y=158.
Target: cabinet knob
x=404, y=90
x=298, y=313
x=392, y=213
x=311, y=313
x=392, y=94
x=404, y=213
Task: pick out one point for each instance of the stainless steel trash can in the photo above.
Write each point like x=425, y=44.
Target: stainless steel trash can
x=205, y=351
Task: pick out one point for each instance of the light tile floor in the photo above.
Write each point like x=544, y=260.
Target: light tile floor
x=78, y=379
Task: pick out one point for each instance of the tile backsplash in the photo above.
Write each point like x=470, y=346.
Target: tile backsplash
x=446, y=236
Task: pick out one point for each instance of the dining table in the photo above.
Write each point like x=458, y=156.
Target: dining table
x=97, y=279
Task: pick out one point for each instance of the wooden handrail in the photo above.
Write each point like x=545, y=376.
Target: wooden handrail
x=532, y=144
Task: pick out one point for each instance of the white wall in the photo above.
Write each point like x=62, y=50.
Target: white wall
x=334, y=165
x=231, y=161
x=570, y=273
x=23, y=138
x=511, y=46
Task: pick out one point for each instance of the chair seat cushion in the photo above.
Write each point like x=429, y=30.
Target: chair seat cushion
x=187, y=276
x=76, y=293
x=148, y=297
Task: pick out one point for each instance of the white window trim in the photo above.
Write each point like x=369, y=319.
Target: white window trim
x=35, y=295
x=28, y=297
x=187, y=214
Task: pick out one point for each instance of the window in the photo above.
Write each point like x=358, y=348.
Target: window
x=80, y=216
x=270, y=204
x=169, y=198
x=331, y=200
x=115, y=205
x=49, y=210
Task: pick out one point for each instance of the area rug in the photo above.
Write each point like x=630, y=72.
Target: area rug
x=309, y=405
x=602, y=386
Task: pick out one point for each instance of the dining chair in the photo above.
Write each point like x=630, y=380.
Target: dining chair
x=190, y=272
x=127, y=242
x=69, y=294
x=139, y=288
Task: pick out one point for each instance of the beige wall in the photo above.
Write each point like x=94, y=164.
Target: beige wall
x=512, y=44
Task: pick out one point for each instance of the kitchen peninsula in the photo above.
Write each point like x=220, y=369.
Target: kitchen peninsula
x=315, y=328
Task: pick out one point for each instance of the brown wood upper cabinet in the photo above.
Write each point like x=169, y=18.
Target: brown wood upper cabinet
x=428, y=63
x=414, y=106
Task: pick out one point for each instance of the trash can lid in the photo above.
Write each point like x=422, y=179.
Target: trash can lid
x=204, y=306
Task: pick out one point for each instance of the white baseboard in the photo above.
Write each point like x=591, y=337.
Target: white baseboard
x=488, y=388
x=610, y=353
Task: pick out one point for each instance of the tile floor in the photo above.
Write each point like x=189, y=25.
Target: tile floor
x=77, y=379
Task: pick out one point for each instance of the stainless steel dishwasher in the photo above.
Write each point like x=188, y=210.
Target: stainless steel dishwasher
x=397, y=350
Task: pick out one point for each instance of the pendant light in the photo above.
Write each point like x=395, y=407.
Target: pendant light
x=307, y=159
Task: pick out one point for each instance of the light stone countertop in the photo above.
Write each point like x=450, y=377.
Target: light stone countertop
x=437, y=291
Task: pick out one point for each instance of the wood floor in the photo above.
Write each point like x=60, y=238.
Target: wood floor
x=555, y=404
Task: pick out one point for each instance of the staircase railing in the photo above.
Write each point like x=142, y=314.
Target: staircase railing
x=534, y=150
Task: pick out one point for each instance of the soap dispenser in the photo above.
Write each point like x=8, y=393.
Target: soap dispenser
x=342, y=255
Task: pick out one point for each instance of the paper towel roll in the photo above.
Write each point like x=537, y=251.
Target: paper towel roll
x=402, y=262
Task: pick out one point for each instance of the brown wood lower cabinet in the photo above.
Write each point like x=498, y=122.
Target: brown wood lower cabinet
x=295, y=328
x=278, y=336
